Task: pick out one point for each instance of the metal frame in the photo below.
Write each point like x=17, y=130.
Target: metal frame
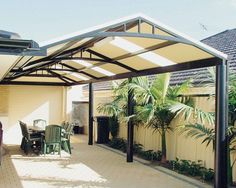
x=172, y=68
x=221, y=145
x=90, y=134
x=112, y=30
x=158, y=70
x=120, y=28
x=130, y=127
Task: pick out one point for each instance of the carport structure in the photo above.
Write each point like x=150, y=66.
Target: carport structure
x=129, y=47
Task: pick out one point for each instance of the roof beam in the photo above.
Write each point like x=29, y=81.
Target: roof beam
x=59, y=77
x=33, y=83
x=79, y=71
x=140, y=35
x=109, y=60
x=83, y=46
x=79, y=58
x=172, y=68
x=30, y=70
x=105, y=60
x=41, y=75
x=90, y=43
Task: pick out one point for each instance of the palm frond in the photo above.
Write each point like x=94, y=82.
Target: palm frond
x=160, y=87
x=198, y=131
x=188, y=112
x=140, y=87
x=110, y=109
x=175, y=91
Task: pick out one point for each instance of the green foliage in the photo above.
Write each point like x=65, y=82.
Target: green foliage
x=192, y=168
x=199, y=131
x=113, y=126
x=118, y=143
x=153, y=101
x=207, y=174
x=232, y=100
x=150, y=155
x=118, y=106
x=137, y=148
x=189, y=111
x=121, y=144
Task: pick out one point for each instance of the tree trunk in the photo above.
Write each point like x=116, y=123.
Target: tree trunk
x=163, y=145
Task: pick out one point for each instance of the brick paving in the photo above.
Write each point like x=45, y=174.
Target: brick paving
x=89, y=166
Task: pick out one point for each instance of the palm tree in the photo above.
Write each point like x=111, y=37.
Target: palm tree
x=117, y=108
x=157, y=104
x=207, y=133
x=200, y=131
x=152, y=104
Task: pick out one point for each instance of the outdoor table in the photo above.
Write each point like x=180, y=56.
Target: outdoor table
x=36, y=129
x=40, y=130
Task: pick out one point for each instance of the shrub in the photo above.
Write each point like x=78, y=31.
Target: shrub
x=192, y=168
x=195, y=168
x=137, y=148
x=113, y=126
x=121, y=144
x=207, y=174
x=148, y=155
x=118, y=143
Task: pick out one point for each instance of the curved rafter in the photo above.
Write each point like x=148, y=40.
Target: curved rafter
x=130, y=28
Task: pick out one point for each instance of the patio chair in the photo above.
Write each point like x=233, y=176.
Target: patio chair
x=29, y=139
x=52, y=138
x=65, y=125
x=40, y=123
x=66, y=137
x=23, y=138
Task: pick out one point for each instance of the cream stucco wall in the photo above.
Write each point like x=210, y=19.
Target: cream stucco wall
x=27, y=103
x=73, y=93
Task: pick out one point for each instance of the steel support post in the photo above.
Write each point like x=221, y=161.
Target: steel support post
x=130, y=134
x=221, y=143
x=90, y=141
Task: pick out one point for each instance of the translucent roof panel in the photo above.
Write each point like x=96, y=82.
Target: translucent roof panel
x=130, y=46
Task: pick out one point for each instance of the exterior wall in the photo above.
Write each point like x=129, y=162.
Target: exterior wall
x=73, y=93
x=27, y=103
x=80, y=114
x=100, y=97
x=77, y=106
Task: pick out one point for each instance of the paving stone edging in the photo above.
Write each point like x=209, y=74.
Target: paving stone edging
x=190, y=180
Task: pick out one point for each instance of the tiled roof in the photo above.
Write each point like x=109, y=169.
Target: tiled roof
x=224, y=42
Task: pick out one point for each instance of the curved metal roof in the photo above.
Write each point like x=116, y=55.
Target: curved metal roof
x=132, y=46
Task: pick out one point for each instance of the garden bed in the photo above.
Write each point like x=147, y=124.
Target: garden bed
x=187, y=168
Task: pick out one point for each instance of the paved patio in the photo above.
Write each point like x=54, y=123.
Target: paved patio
x=89, y=166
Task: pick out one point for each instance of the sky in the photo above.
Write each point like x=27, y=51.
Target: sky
x=43, y=20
